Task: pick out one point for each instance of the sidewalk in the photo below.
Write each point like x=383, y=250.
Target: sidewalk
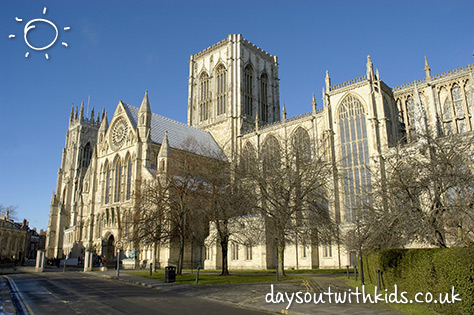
x=6, y=303
x=252, y=295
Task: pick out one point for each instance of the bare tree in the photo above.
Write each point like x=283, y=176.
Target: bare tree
x=426, y=196
x=226, y=198
x=151, y=220
x=290, y=184
x=12, y=211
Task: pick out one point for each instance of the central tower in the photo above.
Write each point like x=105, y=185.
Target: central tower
x=231, y=85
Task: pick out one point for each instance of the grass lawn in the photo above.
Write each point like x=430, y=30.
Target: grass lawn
x=214, y=278
x=415, y=308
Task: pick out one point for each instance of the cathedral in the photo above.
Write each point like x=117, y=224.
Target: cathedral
x=234, y=107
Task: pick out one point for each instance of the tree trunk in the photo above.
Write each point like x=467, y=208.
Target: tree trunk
x=440, y=239
x=225, y=249
x=281, y=259
x=153, y=256
x=181, y=255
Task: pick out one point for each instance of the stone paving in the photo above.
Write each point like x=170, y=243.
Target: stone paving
x=252, y=295
x=6, y=303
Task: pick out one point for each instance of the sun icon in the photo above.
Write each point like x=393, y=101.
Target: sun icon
x=29, y=26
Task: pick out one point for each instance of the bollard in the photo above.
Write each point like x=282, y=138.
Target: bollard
x=355, y=273
x=347, y=271
x=118, y=263
x=64, y=266
x=151, y=269
x=379, y=287
x=197, y=274
x=39, y=261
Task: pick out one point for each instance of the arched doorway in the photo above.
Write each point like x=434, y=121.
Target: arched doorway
x=110, y=254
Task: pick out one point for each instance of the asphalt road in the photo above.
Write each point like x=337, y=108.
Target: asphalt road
x=79, y=293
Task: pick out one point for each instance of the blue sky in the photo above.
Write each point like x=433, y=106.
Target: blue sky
x=118, y=49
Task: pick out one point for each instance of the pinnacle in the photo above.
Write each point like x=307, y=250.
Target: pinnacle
x=145, y=103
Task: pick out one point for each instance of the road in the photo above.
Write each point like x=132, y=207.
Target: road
x=80, y=293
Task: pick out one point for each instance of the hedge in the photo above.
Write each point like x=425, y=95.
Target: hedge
x=426, y=270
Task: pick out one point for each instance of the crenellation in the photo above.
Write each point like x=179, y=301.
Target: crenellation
x=348, y=83
x=442, y=75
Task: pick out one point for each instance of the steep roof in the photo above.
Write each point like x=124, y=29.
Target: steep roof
x=180, y=136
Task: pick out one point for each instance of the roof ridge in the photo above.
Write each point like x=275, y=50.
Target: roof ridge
x=180, y=123
x=172, y=120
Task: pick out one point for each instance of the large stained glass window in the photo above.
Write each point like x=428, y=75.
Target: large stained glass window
x=118, y=181
x=248, y=93
x=107, y=184
x=271, y=155
x=204, y=98
x=129, y=178
x=355, y=156
x=221, y=88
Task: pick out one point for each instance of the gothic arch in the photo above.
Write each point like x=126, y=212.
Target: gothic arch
x=203, y=73
x=248, y=90
x=219, y=64
x=117, y=178
x=249, y=156
x=128, y=175
x=263, y=96
x=86, y=155
x=350, y=95
x=221, y=88
x=204, y=96
x=271, y=157
x=469, y=96
x=106, y=182
x=301, y=144
x=354, y=155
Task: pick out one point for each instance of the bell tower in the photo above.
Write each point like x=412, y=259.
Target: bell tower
x=232, y=83
x=81, y=139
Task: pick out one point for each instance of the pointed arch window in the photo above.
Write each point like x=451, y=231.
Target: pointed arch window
x=410, y=111
x=458, y=108
x=86, y=155
x=469, y=99
x=271, y=155
x=107, y=184
x=118, y=176
x=129, y=178
x=221, y=90
x=249, y=157
x=355, y=156
x=264, y=97
x=204, y=97
x=248, y=93
x=447, y=116
x=301, y=145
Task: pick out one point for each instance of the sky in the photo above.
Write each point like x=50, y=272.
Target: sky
x=118, y=49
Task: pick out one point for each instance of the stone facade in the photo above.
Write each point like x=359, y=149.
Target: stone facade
x=233, y=105
x=13, y=240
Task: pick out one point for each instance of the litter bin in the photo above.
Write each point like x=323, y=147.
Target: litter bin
x=170, y=274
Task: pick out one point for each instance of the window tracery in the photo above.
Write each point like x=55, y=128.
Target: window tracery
x=118, y=176
x=129, y=178
x=107, y=184
x=221, y=90
x=301, y=145
x=355, y=155
x=248, y=81
x=454, y=114
x=204, y=98
x=271, y=155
